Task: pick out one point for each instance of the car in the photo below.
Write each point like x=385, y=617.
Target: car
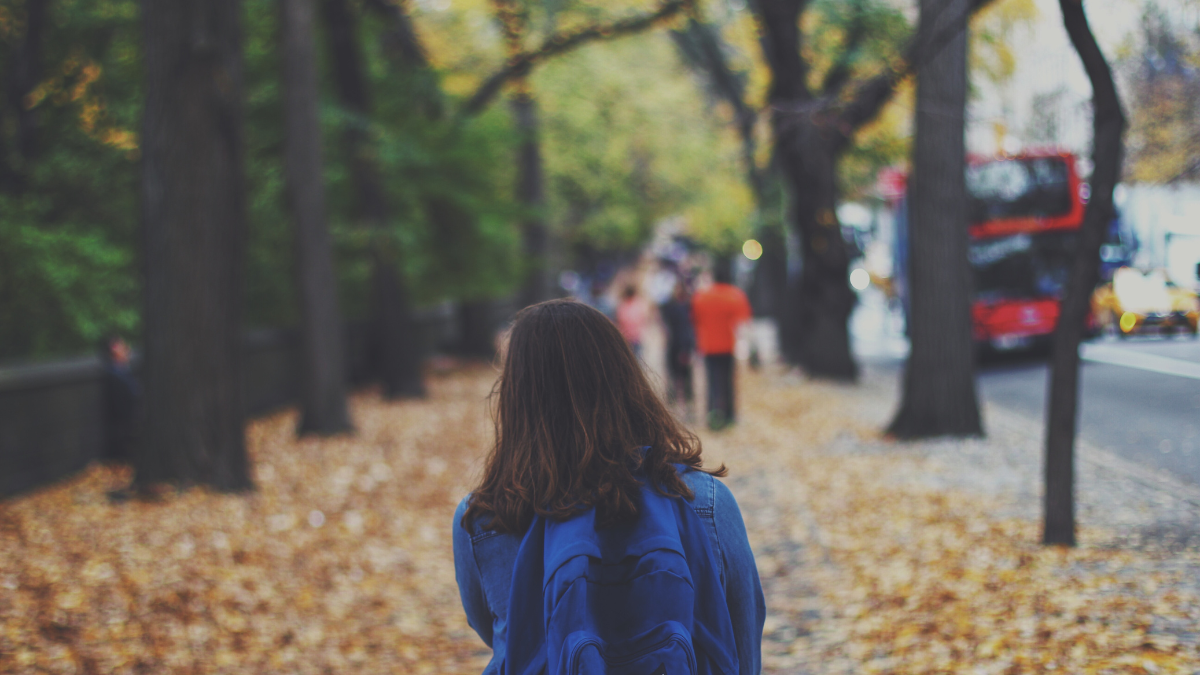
x=1144, y=302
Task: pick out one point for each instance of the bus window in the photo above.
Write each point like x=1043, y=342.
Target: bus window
x=1022, y=266
x=1018, y=188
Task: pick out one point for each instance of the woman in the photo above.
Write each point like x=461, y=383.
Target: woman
x=576, y=423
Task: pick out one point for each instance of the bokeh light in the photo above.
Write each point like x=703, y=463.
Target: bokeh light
x=860, y=279
x=1128, y=321
x=752, y=249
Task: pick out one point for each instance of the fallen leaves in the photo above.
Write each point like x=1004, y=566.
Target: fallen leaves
x=342, y=562
x=910, y=577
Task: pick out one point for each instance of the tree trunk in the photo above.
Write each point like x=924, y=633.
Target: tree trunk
x=476, y=328
x=24, y=76
x=939, y=380
x=771, y=273
x=323, y=382
x=820, y=298
x=814, y=328
x=394, y=334
x=396, y=356
x=531, y=197
x=193, y=209
x=1063, y=396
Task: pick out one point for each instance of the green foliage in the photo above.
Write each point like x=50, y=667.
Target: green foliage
x=449, y=188
x=453, y=229
x=61, y=287
x=68, y=223
x=69, y=232
x=270, y=295
x=885, y=29
x=828, y=25
x=628, y=141
x=627, y=136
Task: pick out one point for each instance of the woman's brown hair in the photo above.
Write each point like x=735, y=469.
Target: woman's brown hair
x=573, y=415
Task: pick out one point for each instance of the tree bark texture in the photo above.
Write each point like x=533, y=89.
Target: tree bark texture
x=939, y=396
x=538, y=285
x=394, y=328
x=193, y=209
x=392, y=323
x=23, y=77
x=1063, y=395
x=323, y=370
x=819, y=299
x=771, y=274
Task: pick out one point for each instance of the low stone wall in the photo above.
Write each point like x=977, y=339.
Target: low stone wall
x=50, y=413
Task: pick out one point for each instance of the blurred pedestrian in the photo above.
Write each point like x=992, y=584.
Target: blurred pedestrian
x=589, y=465
x=676, y=315
x=631, y=317
x=121, y=398
x=717, y=311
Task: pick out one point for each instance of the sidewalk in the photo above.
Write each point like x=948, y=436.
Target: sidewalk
x=895, y=558
x=875, y=556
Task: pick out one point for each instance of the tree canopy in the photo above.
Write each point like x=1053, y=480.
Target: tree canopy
x=629, y=139
x=632, y=132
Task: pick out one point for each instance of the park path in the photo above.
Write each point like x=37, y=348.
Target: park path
x=875, y=556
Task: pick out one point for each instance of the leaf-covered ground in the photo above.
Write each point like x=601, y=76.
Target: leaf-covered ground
x=341, y=561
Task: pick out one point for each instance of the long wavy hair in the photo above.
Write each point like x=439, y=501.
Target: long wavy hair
x=573, y=414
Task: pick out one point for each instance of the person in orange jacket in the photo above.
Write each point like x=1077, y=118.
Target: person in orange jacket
x=716, y=314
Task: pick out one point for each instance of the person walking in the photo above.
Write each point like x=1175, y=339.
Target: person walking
x=595, y=539
x=121, y=396
x=716, y=313
x=676, y=315
x=631, y=317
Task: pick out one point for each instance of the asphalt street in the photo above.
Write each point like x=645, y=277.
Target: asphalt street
x=1139, y=397
x=1146, y=410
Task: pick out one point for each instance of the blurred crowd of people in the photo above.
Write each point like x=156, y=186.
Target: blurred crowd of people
x=700, y=314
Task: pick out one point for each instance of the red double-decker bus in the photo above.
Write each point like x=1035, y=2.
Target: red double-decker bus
x=1024, y=217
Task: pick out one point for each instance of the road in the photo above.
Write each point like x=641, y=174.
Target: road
x=1135, y=409
x=1139, y=398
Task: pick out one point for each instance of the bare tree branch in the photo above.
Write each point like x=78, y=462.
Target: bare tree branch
x=562, y=42
x=845, y=117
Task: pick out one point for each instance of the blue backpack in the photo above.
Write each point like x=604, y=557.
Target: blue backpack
x=639, y=598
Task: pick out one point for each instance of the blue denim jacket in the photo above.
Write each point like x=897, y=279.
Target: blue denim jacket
x=483, y=564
